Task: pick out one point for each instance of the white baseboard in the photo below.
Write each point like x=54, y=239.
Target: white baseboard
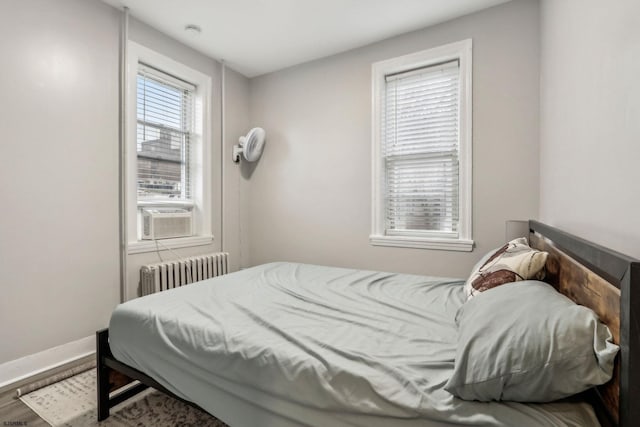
x=25, y=367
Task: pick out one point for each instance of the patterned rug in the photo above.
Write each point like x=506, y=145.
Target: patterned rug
x=72, y=402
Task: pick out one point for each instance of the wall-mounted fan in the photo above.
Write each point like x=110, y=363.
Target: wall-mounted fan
x=250, y=146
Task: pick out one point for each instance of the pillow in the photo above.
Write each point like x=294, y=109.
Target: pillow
x=526, y=342
x=513, y=262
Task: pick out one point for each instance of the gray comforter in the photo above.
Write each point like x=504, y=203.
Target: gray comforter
x=294, y=344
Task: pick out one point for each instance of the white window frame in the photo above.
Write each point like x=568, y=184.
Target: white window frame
x=462, y=240
x=200, y=153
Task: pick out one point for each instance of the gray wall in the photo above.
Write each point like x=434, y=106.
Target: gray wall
x=59, y=172
x=236, y=120
x=308, y=199
x=59, y=168
x=310, y=193
x=590, y=120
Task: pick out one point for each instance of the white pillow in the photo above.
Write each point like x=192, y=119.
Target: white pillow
x=526, y=342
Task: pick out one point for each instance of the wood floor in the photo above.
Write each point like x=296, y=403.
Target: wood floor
x=17, y=414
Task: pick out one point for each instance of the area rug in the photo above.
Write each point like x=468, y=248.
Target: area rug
x=72, y=402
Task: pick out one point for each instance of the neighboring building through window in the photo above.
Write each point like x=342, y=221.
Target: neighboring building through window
x=422, y=149
x=168, y=153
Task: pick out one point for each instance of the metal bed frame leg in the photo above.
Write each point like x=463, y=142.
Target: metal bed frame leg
x=102, y=349
x=122, y=375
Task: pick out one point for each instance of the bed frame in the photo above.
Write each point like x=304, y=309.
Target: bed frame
x=606, y=281
x=117, y=382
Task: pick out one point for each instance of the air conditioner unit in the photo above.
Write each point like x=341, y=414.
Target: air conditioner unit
x=165, y=223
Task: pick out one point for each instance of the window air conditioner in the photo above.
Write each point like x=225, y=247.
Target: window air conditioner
x=165, y=223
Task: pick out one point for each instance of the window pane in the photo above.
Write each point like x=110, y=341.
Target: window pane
x=421, y=149
x=163, y=134
x=421, y=193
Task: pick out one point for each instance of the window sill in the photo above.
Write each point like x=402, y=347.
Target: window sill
x=459, y=245
x=187, y=204
x=142, y=246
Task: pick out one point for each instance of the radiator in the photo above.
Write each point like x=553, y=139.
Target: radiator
x=172, y=274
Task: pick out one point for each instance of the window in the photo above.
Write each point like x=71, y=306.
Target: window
x=164, y=128
x=422, y=149
x=168, y=147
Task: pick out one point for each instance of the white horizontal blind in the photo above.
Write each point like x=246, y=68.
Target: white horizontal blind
x=421, y=150
x=164, y=116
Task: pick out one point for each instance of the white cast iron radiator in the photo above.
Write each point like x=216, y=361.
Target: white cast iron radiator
x=171, y=274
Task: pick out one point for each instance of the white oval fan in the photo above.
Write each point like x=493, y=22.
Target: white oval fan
x=250, y=146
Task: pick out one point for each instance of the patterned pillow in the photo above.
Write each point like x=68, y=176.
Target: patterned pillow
x=513, y=262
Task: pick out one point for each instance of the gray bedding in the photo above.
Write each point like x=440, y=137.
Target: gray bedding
x=293, y=344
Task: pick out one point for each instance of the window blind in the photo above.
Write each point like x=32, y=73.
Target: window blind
x=164, y=134
x=421, y=150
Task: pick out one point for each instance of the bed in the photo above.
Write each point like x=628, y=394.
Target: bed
x=293, y=344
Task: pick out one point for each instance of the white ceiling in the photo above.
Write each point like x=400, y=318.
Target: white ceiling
x=259, y=36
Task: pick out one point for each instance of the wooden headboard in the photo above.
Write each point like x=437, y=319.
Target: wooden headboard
x=608, y=282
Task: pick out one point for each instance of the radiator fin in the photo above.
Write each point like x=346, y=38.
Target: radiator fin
x=172, y=274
